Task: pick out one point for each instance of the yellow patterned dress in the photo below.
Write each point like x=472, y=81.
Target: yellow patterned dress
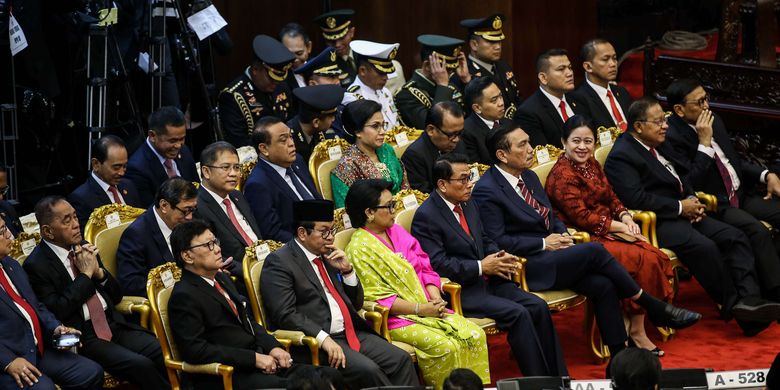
x=441, y=344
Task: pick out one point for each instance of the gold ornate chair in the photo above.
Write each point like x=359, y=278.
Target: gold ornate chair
x=159, y=288
x=246, y=170
x=407, y=202
x=321, y=163
x=400, y=137
x=23, y=245
x=478, y=170
x=254, y=257
x=341, y=220
x=106, y=239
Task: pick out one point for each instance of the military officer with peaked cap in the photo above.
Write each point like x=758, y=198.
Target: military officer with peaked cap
x=316, y=113
x=375, y=62
x=322, y=69
x=485, y=39
x=259, y=92
x=338, y=31
x=441, y=57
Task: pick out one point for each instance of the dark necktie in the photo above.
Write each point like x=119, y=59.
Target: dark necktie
x=462, y=217
x=562, y=106
x=26, y=306
x=529, y=198
x=616, y=112
x=169, y=168
x=724, y=174
x=302, y=191
x=222, y=292
x=349, y=330
x=232, y=215
x=495, y=125
x=96, y=313
x=115, y=194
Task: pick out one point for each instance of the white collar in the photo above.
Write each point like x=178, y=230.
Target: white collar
x=100, y=182
x=481, y=63
x=488, y=122
x=216, y=197
x=642, y=143
x=166, y=231
x=159, y=157
x=447, y=202
x=600, y=91
x=362, y=85
x=513, y=180
x=278, y=168
x=554, y=100
x=309, y=256
x=61, y=252
x=420, y=73
x=209, y=281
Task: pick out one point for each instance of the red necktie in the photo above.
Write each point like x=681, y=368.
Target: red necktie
x=26, y=306
x=724, y=174
x=96, y=313
x=495, y=125
x=227, y=297
x=652, y=151
x=349, y=330
x=232, y=215
x=169, y=168
x=616, y=112
x=562, y=106
x=462, y=218
x=115, y=193
x=529, y=198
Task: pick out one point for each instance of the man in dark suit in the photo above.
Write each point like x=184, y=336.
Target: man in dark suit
x=209, y=319
x=646, y=174
x=450, y=232
x=279, y=179
x=443, y=129
x=542, y=115
x=321, y=298
x=699, y=136
x=486, y=102
x=70, y=280
x=162, y=156
x=599, y=97
x=522, y=222
x=26, y=351
x=145, y=244
x=223, y=206
x=106, y=184
x=484, y=59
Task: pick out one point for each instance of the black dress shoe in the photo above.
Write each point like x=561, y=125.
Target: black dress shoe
x=752, y=328
x=756, y=310
x=675, y=317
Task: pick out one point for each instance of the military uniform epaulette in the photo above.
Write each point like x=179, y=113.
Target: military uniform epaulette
x=354, y=91
x=419, y=95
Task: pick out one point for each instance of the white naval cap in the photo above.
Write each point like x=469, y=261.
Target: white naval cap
x=380, y=55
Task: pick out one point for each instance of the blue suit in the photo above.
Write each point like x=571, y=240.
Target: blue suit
x=89, y=196
x=147, y=173
x=271, y=198
x=455, y=254
x=141, y=248
x=65, y=368
x=587, y=269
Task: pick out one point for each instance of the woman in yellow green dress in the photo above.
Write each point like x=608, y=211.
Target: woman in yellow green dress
x=397, y=273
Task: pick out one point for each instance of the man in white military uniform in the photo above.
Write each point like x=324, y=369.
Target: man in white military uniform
x=375, y=62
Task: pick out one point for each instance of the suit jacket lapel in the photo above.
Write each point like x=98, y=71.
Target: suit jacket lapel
x=6, y=297
x=305, y=266
x=97, y=190
x=552, y=111
x=514, y=197
x=157, y=236
x=305, y=180
x=243, y=207
x=448, y=216
x=653, y=162
x=471, y=213
x=603, y=110
x=278, y=180
x=212, y=292
x=154, y=163
x=211, y=205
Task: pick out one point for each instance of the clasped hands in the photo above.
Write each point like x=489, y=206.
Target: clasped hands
x=86, y=261
x=692, y=209
x=277, y=358
x=500, y=264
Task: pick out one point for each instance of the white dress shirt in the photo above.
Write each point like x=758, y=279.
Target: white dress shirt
x=239, y=216
x=556, y=103
x=105, y=187
x=62, y=254
x=602, y=93
x=451, y=206
x=382, y=96
x=336, y=319
x=166, y=231
x=668, y=165
x=18, y=306
x=513, y=181
x=282, y=171
x=162, y=159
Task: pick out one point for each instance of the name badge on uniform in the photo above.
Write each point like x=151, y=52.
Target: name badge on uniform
x=334, y=152
x=112, y=220
x=542, y=156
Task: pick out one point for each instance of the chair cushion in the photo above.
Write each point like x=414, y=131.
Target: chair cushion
x=483, y=322
x=107, y=242
x=323, y=178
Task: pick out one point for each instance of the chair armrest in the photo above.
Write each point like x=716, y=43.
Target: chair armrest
x=298, y=338
x=580, y=237
x=519, y=276
x=384, y=313
x=453, y=289
x=709, y=201
x=285, y=343
x=225, y=371
x=135, y=305
x=374, y=318
x=647, y=222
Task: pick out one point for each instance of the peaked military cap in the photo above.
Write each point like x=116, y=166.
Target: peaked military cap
x=334, y=24
x=489, y=28
x=324, y=64
x=321, y=99
x=276, y=58
x=313, y=210
x=446, y=48
x=381, y=55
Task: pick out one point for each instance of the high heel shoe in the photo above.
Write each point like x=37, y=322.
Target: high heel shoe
x=658, y=352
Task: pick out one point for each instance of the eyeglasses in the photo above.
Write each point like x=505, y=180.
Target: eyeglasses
x=390, y=206
x=464, y=180
x=658, y=123
x=378, y=126
x=187, y=211
x=227, y=168
x=451, y=136
x=700, y=102
x=210, y=245
x=325, y=233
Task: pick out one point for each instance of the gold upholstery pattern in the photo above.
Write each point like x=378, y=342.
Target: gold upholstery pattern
x=319, y=156
x=159, y=288
x=412, y=135
x=22, y=242
x=246, y=170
